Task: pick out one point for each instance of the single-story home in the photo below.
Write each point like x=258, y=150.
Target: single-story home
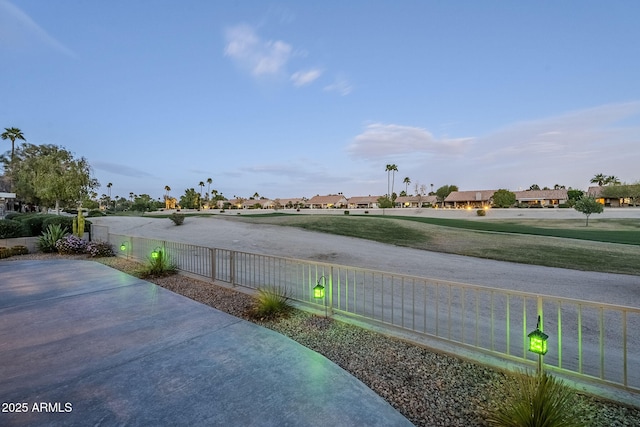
x=542, y=197
x=469, y=199
x=415, y=201
x=363, y=202
x=290, y=202
x=614, y=202
x=5, y=200
x=327, y=202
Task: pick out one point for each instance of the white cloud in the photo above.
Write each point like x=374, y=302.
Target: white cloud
x=384, y=140
x=260, y=57
x=302, y=78
x=341, y=86
x=18, y=29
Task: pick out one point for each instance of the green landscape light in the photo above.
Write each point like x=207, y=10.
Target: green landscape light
x=318, y=291
x=538, y=341
x=123, y=246
x=156, y=253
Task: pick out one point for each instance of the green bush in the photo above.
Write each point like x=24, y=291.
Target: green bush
x=53, y=233
x=533, y=401
x=32, y=223
x=10, y=228
x=5, y=252
x=177, y=218
x=13, y=215
x=481, y=212
x=65, y=222
x=346, y=212
x=271, y=303
x=95, y=213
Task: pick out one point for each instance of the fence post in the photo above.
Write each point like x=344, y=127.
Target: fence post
x=232, y=267
x=213, y=263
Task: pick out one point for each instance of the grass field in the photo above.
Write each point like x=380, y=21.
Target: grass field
x=611, y=246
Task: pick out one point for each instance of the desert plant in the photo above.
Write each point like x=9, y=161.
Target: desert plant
x=481, y=212
x=5, y=252
x=53, y=233
x=71, y=244
x=534, y=400
x=159, y=265
x=346, y=212
x=177, y=218
x=19, y=250
x=271, y=303
x=99, y=249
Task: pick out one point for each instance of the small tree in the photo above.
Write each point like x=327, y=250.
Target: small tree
x=588, y=205
x=504, y=198
x=444, y=191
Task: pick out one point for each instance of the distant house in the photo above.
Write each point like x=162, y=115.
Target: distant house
x=541, y=197
x=6, y=201
x=613, y=202
x=327, y=202
x=363, y=202
x=469, y=199
x=415, y=201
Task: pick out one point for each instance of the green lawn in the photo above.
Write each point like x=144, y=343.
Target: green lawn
x=607, y=245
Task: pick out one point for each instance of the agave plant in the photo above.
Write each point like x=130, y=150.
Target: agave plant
x=53, y=233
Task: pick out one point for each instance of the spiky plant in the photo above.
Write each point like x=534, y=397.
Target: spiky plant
x=53, y=233
x=271, y=303
x=160, y=265
x=534, y=400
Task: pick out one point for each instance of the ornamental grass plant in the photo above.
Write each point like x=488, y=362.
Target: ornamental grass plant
x=271, y=303
x=159, y=265
x=533, y=400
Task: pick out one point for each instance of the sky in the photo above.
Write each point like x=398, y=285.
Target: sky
x=295, y=98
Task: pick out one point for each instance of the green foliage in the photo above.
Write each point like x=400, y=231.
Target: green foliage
x=48, y=175
x=384, y=202
x=95, y=213
x=623, y=191
x=190, y=200
x=65, y=222
x=177, y=218
x=53, y=233
x=10, y=228
x=574, y=194
x=533, y=401
x=33, y=223
x=346, y=212
x=160, y=266
x=588, y=205
x=145, y=203
x=503, y=198
x=271, y=303
x=5, y=252
x=481, y=212
x=444, y=191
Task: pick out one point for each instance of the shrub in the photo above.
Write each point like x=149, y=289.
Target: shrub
x=5, y=252
x=177, y=218
x=532, y=401
x=65, y=222
x=10, y=228
x=32, y=223
x=19, y=250
x=481, y=212
x=346, y=212
x=161, y=265
x=53, y=233
x=71, y=244
x=271, y=303
x=99, y=249
x=95, y=213
x=13, y=215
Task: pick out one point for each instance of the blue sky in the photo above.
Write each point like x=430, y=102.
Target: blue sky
x=293, y=98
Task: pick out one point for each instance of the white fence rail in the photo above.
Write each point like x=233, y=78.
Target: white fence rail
x=597, y=341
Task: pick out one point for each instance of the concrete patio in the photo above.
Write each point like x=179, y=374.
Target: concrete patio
x=99, y=347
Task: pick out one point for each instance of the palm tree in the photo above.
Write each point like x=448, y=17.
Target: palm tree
x=201, y=185
x=13, y=134
x=109, y=185
x=599, y=179
x=209, y=181
x=394, y=169
x=612, y=180
x=388, y=170
x=406, y=181
x=167, y=189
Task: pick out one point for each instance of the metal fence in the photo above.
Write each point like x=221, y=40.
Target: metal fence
x=591, y=340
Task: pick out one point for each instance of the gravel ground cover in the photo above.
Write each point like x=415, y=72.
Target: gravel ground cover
x=429, y=388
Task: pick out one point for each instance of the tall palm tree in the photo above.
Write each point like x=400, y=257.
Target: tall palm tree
x=201, y=185
x=406, y=181
x=599, y=179
x=109, y=185
x=388, y=171
x=12, y=134
x=394, y=169
x=209, y=181
x=167, y=189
